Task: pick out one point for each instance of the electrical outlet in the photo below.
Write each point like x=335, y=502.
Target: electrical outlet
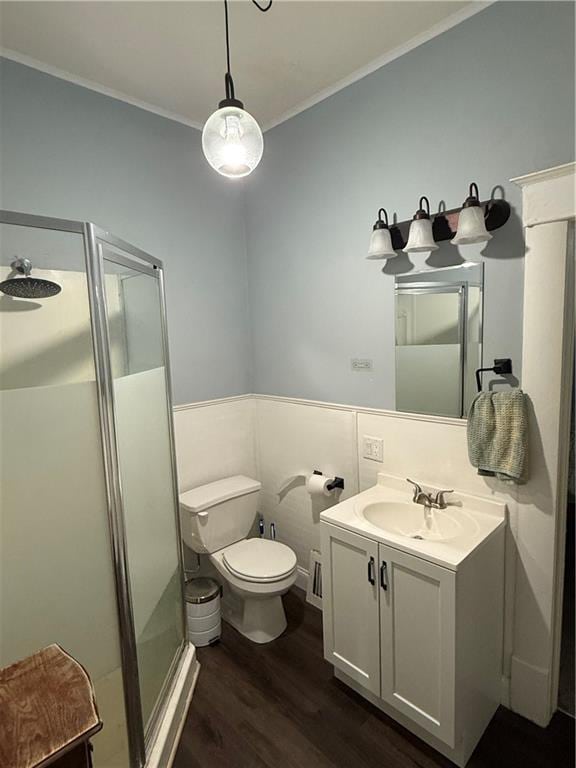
x=373, y=448
x=361, y=364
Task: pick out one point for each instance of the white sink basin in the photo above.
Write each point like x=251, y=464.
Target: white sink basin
x=415, y=522
x=387, y=514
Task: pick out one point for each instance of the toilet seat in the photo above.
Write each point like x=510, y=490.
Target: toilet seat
x=259, y=560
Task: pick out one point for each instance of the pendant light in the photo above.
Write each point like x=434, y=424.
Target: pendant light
x=471, y=224
x=420, y=237
x=232, y=140
x=381, y=240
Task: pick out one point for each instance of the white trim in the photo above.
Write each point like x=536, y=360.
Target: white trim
x=362, y=409
x=61, y=74
x=548, y=196
x=323, y=404
x=529, y=691
x=381, y=61
x=331, y=406
x=548, y=206
x=567, y=169
x=302, y=576
x=216, y=401
x=164, y=748
x=437, y=29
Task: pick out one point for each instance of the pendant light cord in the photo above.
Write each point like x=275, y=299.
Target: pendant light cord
x=229, y=82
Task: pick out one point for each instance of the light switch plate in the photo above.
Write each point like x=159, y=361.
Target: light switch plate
x=373, y=448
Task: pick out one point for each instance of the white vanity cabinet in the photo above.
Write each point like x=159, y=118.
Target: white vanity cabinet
x=421, y=641
x=350, y=605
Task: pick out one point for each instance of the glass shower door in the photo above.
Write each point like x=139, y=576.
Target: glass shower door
x=142, y=422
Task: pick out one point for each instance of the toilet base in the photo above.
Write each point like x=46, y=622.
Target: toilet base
x=260, y=620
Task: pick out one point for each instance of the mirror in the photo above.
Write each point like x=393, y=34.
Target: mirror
x=438, y=339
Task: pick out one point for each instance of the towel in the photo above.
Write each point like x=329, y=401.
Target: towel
x=498, y=434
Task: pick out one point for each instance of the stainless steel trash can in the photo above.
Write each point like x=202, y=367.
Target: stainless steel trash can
x=203, y=611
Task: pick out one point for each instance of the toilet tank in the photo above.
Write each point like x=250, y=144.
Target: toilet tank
x=218, y=514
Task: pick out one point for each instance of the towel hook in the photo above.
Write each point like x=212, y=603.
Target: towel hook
x=502, y=366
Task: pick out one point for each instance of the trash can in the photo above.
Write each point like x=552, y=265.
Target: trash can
x=203, y=611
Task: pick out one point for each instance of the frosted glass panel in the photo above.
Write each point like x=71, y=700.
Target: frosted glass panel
x=438, y=332
x=135, y=323
x=56, y=576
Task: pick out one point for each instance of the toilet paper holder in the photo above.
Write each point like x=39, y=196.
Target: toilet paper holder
x=338, y=482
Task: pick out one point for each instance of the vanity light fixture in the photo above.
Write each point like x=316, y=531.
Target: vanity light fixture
x=420, y=237
x=232, y=139
x=471, y=223
x=381, y=240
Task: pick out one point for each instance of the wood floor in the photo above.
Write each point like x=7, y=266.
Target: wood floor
x=279, y=706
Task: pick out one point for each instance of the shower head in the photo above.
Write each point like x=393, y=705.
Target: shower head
x=28, y=287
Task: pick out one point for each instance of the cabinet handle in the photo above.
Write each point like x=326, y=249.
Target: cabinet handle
x=384, y=575
x=371, y=578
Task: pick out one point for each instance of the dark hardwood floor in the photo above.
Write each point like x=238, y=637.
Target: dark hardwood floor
x=279, y=706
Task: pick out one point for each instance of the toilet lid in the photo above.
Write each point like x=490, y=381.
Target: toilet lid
x=259, y=560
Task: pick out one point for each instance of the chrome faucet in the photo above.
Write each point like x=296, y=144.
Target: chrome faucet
x=429, y=501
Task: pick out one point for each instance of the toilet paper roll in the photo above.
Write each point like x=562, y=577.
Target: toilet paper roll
x=316, y=485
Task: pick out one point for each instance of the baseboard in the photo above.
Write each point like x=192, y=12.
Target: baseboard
x=301, y=578
x=505, y=692
x=529, y=690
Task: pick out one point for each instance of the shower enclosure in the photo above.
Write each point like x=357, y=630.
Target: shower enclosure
x=90, y=546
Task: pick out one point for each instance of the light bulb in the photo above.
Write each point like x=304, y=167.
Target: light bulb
x=232, y=142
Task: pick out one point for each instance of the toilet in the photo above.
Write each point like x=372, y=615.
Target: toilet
x=216, y=520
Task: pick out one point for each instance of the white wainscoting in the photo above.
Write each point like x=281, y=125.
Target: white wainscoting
x=276, y=438
x=215, y=439
x=295, y=439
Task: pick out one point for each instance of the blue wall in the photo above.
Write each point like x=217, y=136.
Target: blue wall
x=491, y=99
x=72, y=153
x=488, y=100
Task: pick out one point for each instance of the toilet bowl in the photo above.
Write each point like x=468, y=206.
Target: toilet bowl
x=255, y=573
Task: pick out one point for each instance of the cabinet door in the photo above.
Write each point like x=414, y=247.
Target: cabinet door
x=350, y=605
x=417, y=617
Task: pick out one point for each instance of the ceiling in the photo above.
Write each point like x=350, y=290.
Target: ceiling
x=169, y=56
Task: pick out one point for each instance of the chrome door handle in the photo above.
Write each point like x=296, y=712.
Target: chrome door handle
x=371, y=577
x=384, y=575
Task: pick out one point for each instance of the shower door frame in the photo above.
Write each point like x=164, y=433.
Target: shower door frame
x=140, y=739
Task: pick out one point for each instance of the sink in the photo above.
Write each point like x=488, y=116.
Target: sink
x=415, y=522
x=386, y=513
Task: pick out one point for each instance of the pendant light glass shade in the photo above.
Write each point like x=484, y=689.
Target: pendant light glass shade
x=471, y=224
x=232, y=141
x=420, y=237
x=381, y=240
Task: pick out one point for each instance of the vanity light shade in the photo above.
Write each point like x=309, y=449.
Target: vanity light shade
x=471, y=224
x=381, y=244
x=471, y=227
x=420, y=237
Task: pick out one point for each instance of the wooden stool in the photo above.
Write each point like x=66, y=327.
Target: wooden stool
x=47, y=712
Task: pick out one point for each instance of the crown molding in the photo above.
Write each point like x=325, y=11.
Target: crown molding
x=434, y=31
x=381, y=61
x=61, y=74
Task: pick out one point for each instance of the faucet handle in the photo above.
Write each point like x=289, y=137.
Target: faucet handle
x=417, y=488
x=440, y=501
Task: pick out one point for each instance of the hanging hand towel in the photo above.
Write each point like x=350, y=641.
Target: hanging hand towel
x=498, y=434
